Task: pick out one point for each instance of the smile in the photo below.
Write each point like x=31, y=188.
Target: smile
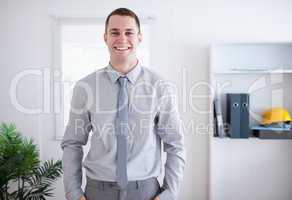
x=122, y=48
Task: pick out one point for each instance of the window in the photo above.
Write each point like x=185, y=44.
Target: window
x=79, y=51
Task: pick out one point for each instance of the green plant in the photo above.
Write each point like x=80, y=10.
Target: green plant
x=20, y=165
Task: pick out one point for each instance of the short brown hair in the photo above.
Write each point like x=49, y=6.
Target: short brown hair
x=123, y=12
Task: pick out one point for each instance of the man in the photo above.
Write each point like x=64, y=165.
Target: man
x=130, y=112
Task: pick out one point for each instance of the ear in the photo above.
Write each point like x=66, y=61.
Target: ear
x=105, y=37
x=140, y=37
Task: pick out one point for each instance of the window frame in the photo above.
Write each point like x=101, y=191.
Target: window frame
x=58, y=87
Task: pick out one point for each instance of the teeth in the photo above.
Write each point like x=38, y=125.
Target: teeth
x=122, y=48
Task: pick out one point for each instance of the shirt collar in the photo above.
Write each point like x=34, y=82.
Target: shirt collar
x=131, y=75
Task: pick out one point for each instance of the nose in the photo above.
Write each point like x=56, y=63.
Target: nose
x=122, y=37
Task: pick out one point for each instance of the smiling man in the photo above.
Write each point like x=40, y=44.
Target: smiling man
x=130, y=111
x=122, y=36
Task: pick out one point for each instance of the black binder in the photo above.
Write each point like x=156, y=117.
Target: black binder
x=238, y=115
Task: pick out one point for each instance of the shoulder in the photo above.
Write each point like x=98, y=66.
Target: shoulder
x=90, y=80
x=152, y=77
x=93, y=76
x=87, y=84
x=161, y=84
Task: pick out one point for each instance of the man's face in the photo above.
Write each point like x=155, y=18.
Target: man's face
x=122, y=38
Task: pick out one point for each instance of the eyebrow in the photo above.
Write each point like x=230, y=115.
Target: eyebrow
x=116, y=29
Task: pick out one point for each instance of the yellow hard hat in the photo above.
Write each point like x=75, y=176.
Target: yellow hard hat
x=275, y=115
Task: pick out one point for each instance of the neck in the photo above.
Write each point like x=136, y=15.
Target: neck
x=124, y=67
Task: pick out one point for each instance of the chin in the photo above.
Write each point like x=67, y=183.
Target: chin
x=124, y=57
x=121, y=58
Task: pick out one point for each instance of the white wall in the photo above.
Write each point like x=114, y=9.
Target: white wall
x=181, y=35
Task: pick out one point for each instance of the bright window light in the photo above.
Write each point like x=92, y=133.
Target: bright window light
x=82, y=50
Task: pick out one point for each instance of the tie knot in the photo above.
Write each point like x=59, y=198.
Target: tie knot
x=123, y=80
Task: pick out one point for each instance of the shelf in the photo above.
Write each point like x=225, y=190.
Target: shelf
x=252, y=58
x=261, y=137
x=256, y=72
x=229, y=138
x=273, y=135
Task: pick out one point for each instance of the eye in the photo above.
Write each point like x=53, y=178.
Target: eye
x=129, y=33
x=114, y=33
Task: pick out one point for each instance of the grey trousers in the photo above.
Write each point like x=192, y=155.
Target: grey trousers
x=136, y=190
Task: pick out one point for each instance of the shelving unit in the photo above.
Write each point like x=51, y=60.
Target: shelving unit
x=264, y=70
x=245, y=166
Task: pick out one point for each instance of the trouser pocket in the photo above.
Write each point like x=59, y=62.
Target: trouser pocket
x=95, y=193
x=149, y=191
